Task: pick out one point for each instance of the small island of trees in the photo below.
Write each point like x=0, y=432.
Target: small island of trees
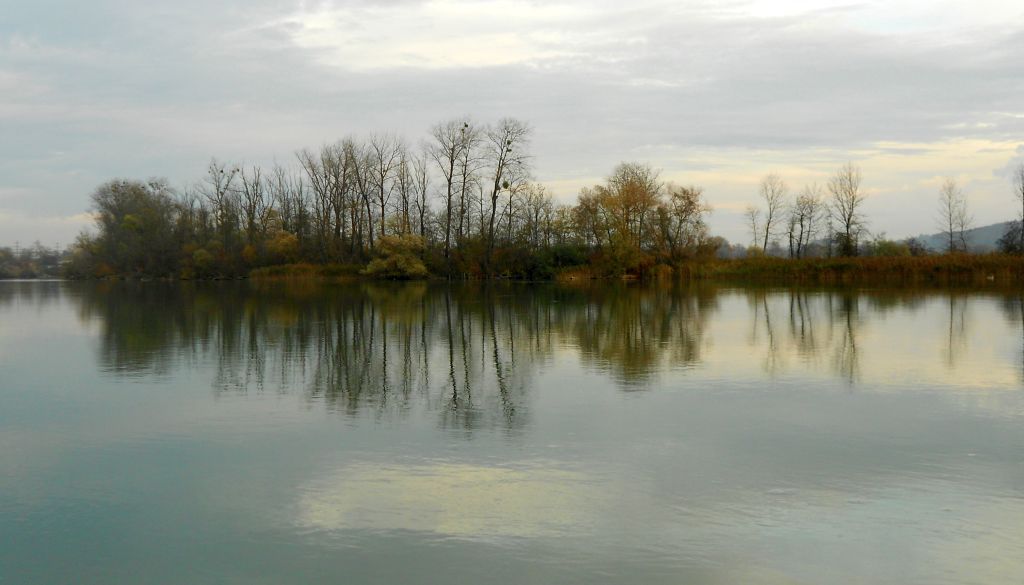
x=462, y=204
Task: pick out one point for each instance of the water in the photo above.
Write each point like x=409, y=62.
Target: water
x=509, y=434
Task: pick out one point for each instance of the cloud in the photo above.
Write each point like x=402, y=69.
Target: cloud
x=452, y=499
x=436, y=35
x=708, y=91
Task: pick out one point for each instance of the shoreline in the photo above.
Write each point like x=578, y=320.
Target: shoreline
x=995, y=269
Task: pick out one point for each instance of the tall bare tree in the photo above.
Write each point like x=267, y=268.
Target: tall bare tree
x=773, y=191
x=421, y=185
x=805, y=217
x=752, y=216
x=317, y=169
x=385, y=153
x=846, y=208
x=363, y=167
x=221, y=192
x=405, y=185
x=339, y=165
x=279, y=192
x=954, y=220
x=506, y=147
x=445, y=149
x=470, y=162
x=536, y=214
x=288, y=197
x=255, y=203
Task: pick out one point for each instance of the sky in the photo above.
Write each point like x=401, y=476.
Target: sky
x=716, y=94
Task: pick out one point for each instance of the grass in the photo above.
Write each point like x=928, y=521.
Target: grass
x=943, y=269
x=306, y=271
x=939, y=269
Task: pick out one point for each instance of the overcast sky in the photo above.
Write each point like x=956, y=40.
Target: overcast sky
x=712, y=93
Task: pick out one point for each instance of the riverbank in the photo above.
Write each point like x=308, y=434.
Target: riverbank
x=939, y=269
x=979, y=269
x=306, y=271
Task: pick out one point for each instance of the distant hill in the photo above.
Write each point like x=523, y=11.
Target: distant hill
x=979, y=239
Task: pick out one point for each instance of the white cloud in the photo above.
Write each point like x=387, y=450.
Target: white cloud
x=460, y=500
x=438, y=34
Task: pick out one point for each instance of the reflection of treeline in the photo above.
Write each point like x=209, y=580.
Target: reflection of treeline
x=810, y=325
x=823, y=327
x=465, y=351
x=470, y=352
x=634, y=332
x=463, y=203
x=29, y=293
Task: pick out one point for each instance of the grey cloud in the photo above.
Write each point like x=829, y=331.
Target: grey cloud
x=128, y=89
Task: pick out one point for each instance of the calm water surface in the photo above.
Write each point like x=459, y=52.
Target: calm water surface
x=230, y=433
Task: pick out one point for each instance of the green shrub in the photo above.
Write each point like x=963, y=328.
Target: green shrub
x=398, y=258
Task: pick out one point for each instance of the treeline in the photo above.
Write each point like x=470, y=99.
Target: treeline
x=35, y=261
x=829, y=221
x=460, y=204
x=821, y=221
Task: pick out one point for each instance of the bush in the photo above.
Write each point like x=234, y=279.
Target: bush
x=283, y=248
x=202, y=263
x=621, y=260
x=398, y=258
x=524, y=264
x=888, y=248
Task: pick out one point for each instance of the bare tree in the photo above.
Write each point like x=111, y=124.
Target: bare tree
x=773, y=191
x=792, y=232
x=445, y=150
x=954, y=219
x=1018, y=192
x=255, y=203
x=469, y=164
x=847, y=200
x=288, y=197
x=805, y=219
x=280, y=197
x=385, y=153
x=506, y=149
x=421, y=184
x=320, y=182
x=536, y=212
x=405, y=184
x=363, y=167
x=221, y=193
x=340, y=165
x=358, y=194
x=191, y=215
x=752, y=215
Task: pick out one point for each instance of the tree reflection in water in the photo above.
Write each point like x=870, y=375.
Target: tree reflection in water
x=1013, y=309
x=469, y=352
